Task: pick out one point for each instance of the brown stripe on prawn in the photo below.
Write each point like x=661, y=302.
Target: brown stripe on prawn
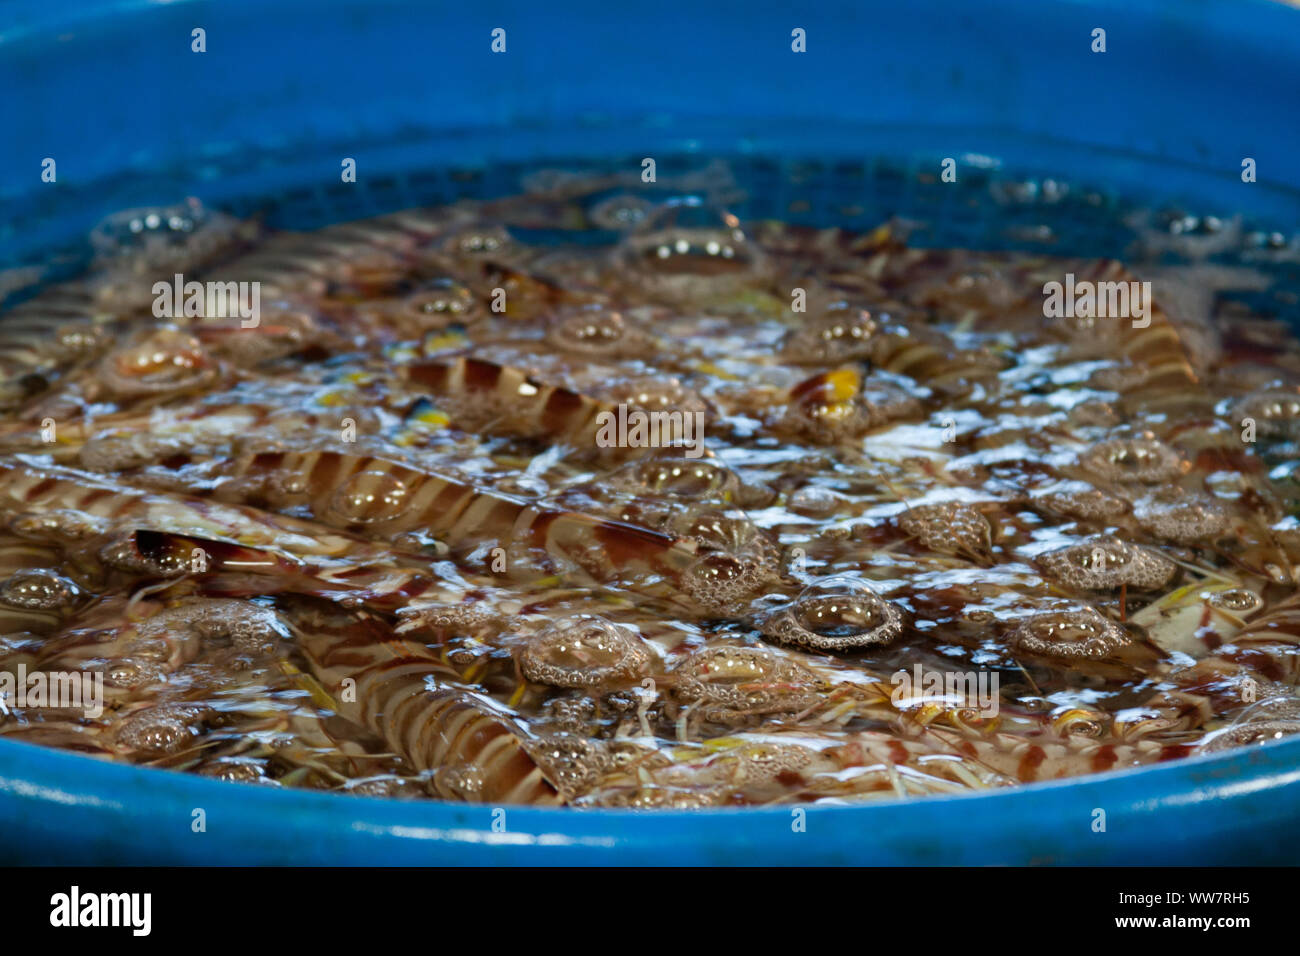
x=485, y=397
x=137, y=642
x=44, y=338
x=378, y=497
x=40, y=494
x=1055, y=757
x=369, y=255
x=222, y=567
x=479, y=751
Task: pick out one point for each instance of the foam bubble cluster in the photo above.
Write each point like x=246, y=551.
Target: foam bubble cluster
x=838, y=619
x=1104, y=563
x=731, y=683
x=1143, y=459
x=39, y=589
x=1181, y=516
x=841, y=333
x=598, y=332
x=584, y=651
x=949, y=528
x=1069, y=634
x=1275, y=411
x=1263, y=732
x=1089, y=504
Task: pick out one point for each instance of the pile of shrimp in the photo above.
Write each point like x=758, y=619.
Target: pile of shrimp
x=401, y=533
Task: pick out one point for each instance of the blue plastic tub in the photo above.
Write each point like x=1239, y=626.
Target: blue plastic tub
x=112, y=91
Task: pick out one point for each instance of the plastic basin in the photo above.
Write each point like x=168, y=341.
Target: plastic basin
x=113, y=92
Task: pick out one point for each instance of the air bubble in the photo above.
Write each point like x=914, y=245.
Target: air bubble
x=763, y=762
x=168, y=360
x=839, y=405
x=669, y=472
x=842, y=333
x=1088, y=504
x=1079, y=633
x=949, y=528
x=1238, y=601
x=1276, y=411
x=1104, y=563
x=814, y=501
x=168, y=558
x=685, y=249
x=236, y=770
x=129, y=674
x=248, y=627
x=1244, y=735
x=721, y=584
x=1144, y=459
x=622, y=213
x=459, y=782
x=584, y=651
x=165, y=729
x=151, y=238
x=831, y=617
x=654, y=394
x=599, y=332
x=1180, y=516
x=732, y=683
x=571, y=764
x=370, y=497
x=478, y=242
x=732, y=532
x=39, y=589
x=440, y=305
